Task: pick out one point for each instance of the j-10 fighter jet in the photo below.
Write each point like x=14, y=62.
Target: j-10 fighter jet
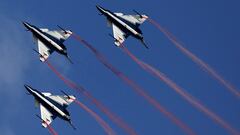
x=49, y=41
x=51, y=106
x=124, y=25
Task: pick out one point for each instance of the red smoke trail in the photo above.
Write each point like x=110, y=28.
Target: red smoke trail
x=51, y=130
x=136, y=87
x=104, y=109
x=197, y=60
x=104, y=125
x=180, y=91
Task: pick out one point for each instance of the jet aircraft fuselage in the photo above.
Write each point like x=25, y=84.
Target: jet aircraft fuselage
x=121, y=23
x=50, y=41
x=52, y=106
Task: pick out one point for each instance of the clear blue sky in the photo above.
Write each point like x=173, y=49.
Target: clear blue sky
x=210, y=29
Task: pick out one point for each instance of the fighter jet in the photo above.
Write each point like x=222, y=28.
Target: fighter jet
x=49, y=41
x=124, y=25
x=51, y=106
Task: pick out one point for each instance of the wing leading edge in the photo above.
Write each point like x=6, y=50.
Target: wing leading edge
x=64, y=101
x=119, y=35
x=44, y=51
x=46, y=116
x=133, y=19
x=60, y=34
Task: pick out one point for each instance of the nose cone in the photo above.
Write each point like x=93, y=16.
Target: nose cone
x=29, y=89
x=27, y=25
x=101, y=9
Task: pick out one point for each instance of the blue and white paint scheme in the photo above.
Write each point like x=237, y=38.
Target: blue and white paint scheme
x=124, y=25
x=51, y=106
x=49, y=41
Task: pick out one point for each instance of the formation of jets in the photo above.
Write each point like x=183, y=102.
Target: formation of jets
x=48, y=41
